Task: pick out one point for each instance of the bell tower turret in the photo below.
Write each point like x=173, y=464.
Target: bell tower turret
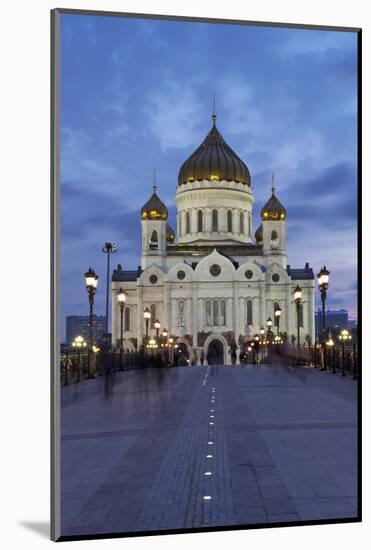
x=154, y=230
x=273, y=216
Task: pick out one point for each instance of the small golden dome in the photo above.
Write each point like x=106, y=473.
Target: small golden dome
x=154, y=209
x=273, y=209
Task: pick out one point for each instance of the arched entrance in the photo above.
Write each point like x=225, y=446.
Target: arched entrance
x=215, y=353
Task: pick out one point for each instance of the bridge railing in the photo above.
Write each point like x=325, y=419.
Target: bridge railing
x=336, y=359
x=74, y=366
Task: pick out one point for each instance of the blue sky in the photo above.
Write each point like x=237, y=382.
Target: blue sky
x=136, y=95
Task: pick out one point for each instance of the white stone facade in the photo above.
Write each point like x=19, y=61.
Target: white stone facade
x=214, y=281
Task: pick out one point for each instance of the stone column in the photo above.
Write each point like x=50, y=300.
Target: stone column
x=188, y=315
x=174, y=317
x=256, y=314
x=166, y=307
x=139, y=316
x=207, y=220
x=236, y=324
x=235, y=221
x=194, y=309
x=229, y=314
x=263, y=313
x=288, y=313
x=222, y=214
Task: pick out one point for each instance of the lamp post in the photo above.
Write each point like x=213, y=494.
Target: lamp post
x=344, y=337
x=108, y=248
x=164, y=335
x=171, y=342
x=330, y=345
x=78, y=343
x=298, y=300
x=262, y=332
x=269, y=325
x=157, y=326
x=121, y=298
x=146, y=316
x=91, y=282
x=256, y=347
x=277, y=315
x=323, y=279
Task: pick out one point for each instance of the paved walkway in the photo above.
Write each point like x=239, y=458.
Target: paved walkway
x=207, y=446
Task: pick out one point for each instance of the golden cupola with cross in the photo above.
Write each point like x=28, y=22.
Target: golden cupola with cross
x=156, y=232
x=214, y=195
x=273, y=216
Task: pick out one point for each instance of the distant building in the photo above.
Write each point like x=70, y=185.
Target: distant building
x=336, y=318
x=79, y=325
x=352, y=323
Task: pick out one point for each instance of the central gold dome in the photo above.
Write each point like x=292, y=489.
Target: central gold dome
x=214, y=160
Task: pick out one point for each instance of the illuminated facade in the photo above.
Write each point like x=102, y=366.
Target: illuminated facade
x=214, y=283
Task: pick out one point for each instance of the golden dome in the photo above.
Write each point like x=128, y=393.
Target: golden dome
x=273, y=209
x=154, y=209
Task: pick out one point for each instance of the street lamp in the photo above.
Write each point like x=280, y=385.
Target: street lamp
x=147, y=316
x=262, y=332
x=78, y=343
x=344, y=337
x=298, y=300
x=171, y=342
x=330, y=345
x=91, y=282
x=269, y=338
x=157, y=326
x=121, y=299
x=277, y=315
x=323, y=278
x=323, y=281
x=108, y=248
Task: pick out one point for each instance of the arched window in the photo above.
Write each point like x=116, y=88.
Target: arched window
x=153, y=315
x=188, y=222
x=241, y=223
x=215, y=220
x=274, y=235
x=153, y=243
x=200, y=221
x=301, y=315
x=223, y=320
x=229, y=221
x=208, y=313
x=215, y=313
x=275, y=307
x=127, y=319
x=181, y=313
x=249, y=319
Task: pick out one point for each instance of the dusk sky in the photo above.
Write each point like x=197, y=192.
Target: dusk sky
x=137, y=97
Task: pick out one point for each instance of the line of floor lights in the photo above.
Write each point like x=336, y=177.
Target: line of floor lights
x=208, y=472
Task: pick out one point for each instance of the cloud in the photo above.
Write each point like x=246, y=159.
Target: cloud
x=174, y=116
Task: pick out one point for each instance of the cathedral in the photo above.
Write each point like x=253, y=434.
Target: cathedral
x=213, y=283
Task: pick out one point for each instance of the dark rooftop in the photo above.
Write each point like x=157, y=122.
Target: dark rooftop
x=233, y=249
x=305, y=273
x=119, y=274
